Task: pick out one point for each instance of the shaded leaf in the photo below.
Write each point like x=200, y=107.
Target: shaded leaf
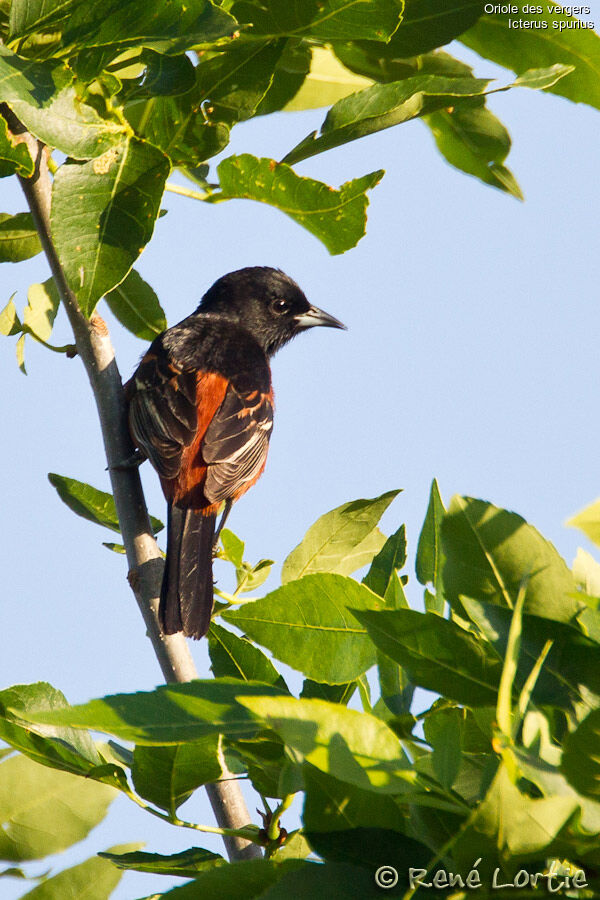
x=18, y=237
x=333, y=693
x=340, y=880
x=248, y=879
x=427, y=24
x=522, y=49
x=370, y=848
x=14, y=155
x=103, y=214
x=335, y=217
x=187, y=863
x=307, y=625
x=437, y=654
x=167, y=776
x=166, y=715
x=508, y=824
x=164, y=75
x=476, y=142
x=43, y=811
x=136, y=306
x=42, y=96
x=90, y=503
x=571, y=668
x=328, y=20
x=334, y=805
x=581, y=757
x=171, y=27
x=58, y=747
x=227, y=89
x=353, y=746
x=386, y=563
x=236, y=657
x=333, y=543
x=490, y=551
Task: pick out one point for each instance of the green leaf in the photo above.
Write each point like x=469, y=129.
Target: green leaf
x=333, y=543
x=42, y=306
x=9, y=320
x=581, y=756
x=354, y=747
x=490, y=551
x=164, y=75
x=476, y=142
x=103, y=214
x=335, y=217
x=265, y=760
x=20, y=350
x=329, y=20
x=385, y=105
x=168, y=776
x=136, y=306
x=116, y=548
x=370, y=848
x=508, y=824
x=43, y=811
x=290, y=72
x=382, y=106
x=171, y=27
x=236, y=657
x=522, y=49
x=232, y=548
x=61, y=748
x=588, y=521
x=444, y=732
x=307, y=625
x=90, y=503
x=168, y=714
x=334, y=805
x=427, y=24
x=430, y=555
x=437, y=654
x=333, y=693
x=340, y=880
x=248, y=879
x=18, y=237
x=14, y=155
x=186, y=864
x=572, y=667
x=388, y=561
x=94, y=879
x=227, y=89
x=42, y=96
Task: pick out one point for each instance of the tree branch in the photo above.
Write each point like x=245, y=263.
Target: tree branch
x=143, y=556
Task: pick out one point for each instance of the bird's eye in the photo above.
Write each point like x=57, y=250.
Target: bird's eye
x=280, y=306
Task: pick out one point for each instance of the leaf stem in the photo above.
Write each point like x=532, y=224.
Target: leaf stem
x=186, y=192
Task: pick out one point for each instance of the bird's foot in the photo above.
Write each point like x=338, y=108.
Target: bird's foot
x=131, y=462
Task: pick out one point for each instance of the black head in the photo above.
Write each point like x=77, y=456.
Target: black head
x=267, y=303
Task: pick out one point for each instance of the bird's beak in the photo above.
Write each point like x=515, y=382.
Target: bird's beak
x=315, y=316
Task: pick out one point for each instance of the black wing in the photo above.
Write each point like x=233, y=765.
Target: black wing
x=236, y=443
x=162, y=411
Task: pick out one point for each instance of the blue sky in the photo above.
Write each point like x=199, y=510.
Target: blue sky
x=471, y=356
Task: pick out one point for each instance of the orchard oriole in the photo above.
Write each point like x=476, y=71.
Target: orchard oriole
x=201, y=410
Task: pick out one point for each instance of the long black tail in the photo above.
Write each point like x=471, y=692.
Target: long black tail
x=186, y=595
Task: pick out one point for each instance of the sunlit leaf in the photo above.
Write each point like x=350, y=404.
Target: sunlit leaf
x=18, y=237
x=90, y=503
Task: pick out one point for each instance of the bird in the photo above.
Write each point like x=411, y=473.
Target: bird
x=200, y=409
